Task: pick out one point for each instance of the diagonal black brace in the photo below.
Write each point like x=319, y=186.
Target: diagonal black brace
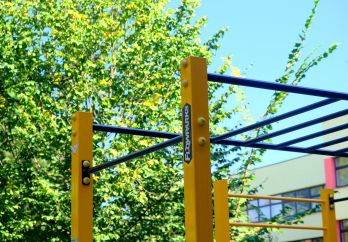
x=136, y=154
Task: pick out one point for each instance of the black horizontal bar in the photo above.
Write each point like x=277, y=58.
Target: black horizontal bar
x=274, y=119
x=276, y=86
x=136, y=154
x=314, y=135
x=176, y=138
x=274, y=147
x=339, y=152
x=299, y=126
x=133, y=131
x=340, y=199
x=328, y=143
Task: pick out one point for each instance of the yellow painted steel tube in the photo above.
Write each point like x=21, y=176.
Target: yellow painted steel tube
x=328, y=216
x=196, y=144
x=279, y=226
x=82, y=194
x=278, y=198
x=222, y=227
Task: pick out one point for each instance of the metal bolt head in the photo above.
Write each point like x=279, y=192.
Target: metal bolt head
x=74, y=133
x=86, y=180
x=184, y=83
x=201, y=121
x=184, y=63
x=86, y=163
x=332, y=206
x=202, y=141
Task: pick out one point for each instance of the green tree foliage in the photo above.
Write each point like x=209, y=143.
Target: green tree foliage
x=119, y=60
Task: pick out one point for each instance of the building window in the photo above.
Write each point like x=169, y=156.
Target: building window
x=341, y=171
x=261, y=210
x=311, y=240
x=344, y=230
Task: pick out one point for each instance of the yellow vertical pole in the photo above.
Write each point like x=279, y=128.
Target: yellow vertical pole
x=222, y=231
x=196, y=144
x=82, y=190
x=328, y=216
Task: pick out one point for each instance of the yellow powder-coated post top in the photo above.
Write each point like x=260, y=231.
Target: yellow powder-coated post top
x=196, y=144
x=82, y=191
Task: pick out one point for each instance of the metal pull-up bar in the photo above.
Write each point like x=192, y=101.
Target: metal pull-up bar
x=274, y=119
x=274, y=86
x=299, y=126
x=196, y=145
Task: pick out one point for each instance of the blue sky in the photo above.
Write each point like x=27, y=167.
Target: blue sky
x=260, y=37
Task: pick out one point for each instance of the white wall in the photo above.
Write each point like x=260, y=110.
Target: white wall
x=299, y=173
x=291, y=234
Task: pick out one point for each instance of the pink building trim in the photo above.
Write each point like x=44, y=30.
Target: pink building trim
x=330, y=173
x=338, y=228
x=330, y=182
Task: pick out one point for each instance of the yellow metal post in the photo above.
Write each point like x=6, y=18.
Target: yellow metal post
x=329, y=216
x=196, y=142
x=222, y=231
x=82, y=190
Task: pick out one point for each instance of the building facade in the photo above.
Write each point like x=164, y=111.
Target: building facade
x=303, y=177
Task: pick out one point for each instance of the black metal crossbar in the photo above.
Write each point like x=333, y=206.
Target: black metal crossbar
x=328, y=143
x=314, y=135
x=133, y=131
x=175, y=138
x=276, y=86
x=274, y=147
x=341, y=151
x=275, y=119
x=331, y=97
x=340, y=199
x=299, y=126
x=255, y=142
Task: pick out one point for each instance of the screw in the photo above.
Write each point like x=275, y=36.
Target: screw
x=184, y=83
x=184, y=63
x=86, y=180
x=202, y=141
x=201, y=121
x=74, y=133
x=86, y=163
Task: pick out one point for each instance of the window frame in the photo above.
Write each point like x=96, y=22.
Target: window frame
x=343, y=230
x=258, y=208
x=337, y=168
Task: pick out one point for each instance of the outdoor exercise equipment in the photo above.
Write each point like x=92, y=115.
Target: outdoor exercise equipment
x=196, y=150
x=222, y=220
